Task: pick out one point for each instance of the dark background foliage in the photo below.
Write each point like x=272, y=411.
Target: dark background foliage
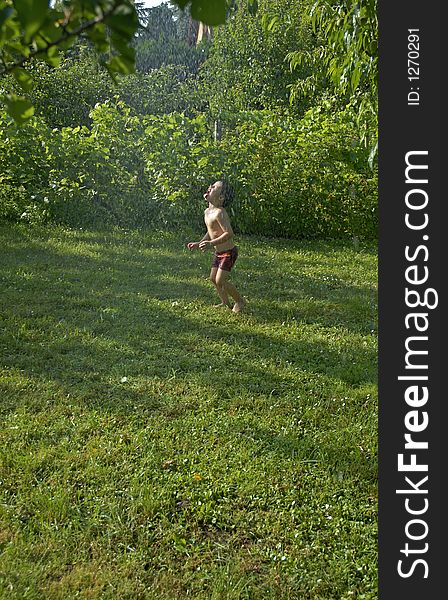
x=257, y=100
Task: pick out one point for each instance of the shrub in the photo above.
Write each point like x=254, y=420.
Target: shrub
x=293, y=177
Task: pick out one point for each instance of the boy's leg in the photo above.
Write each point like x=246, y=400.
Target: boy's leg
x=222, y=281
x=221, y=291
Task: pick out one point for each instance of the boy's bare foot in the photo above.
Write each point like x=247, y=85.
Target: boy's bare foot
x=239, y=306
x=222, y=305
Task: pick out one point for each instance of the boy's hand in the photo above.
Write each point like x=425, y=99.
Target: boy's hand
x=193, y=245
x=205, y=244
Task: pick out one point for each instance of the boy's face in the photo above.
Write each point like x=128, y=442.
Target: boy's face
x=214, y=194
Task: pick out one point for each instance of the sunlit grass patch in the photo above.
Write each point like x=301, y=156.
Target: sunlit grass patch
x=153, y=446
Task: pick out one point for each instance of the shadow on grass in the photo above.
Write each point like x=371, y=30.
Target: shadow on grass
x=354, y=463
x=86, y=310
x=277, y=286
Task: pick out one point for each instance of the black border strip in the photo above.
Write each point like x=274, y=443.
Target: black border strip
x=413, y=118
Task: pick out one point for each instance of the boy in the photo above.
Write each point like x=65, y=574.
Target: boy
x=220, y=235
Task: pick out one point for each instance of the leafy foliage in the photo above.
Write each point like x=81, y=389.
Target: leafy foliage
x=175, y=52
x=294, y=178
x=247, y=68
x=65, y=96
x=346, y=51
x=38, y=30
x=163, y=41
x=351, y=28
x=301, y=178
x=140, y=151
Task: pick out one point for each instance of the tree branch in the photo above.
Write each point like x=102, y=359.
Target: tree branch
x=7, y=68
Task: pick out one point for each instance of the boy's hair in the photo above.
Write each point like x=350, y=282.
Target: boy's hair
x=227, y=192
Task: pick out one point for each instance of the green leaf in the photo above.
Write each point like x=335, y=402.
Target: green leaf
x=9, y=30
x=211, y=12
x=67, y=43
x=273, y=23
x=372, y=155
x=253, y=7
x=23, y=78
x=32, y=15
x=5, y=13
x=50, y=32
x=269, y=23
x=19, y=108
x=122, y=64
x=98, y=36
x=123, y=49
x=356, y=76
x=124, y=21
x=53, y=56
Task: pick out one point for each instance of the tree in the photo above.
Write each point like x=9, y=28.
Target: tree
x=347, y=53
x=161, y=42
x=247, y=68
x=34, y=29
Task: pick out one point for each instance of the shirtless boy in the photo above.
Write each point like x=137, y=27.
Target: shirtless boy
x=220, y=235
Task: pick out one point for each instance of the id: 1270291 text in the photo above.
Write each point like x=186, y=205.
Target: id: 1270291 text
x=414, y=66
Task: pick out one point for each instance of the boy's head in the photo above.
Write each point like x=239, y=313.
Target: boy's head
x=219, y=193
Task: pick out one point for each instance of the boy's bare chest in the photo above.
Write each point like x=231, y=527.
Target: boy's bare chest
x=211, y=220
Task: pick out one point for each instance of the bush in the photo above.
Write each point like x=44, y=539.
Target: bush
x=293, y=178
x=302, y=178
x=62, y=101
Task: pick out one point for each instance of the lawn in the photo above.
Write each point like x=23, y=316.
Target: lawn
x=153, y=446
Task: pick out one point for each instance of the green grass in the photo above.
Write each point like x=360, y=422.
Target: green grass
x=154, y=447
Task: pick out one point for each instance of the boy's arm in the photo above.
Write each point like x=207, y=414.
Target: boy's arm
x=194, y=245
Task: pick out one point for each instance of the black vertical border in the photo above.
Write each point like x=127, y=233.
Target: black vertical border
x=404, y=128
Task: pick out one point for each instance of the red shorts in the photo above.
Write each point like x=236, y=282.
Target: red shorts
x=225, y=260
